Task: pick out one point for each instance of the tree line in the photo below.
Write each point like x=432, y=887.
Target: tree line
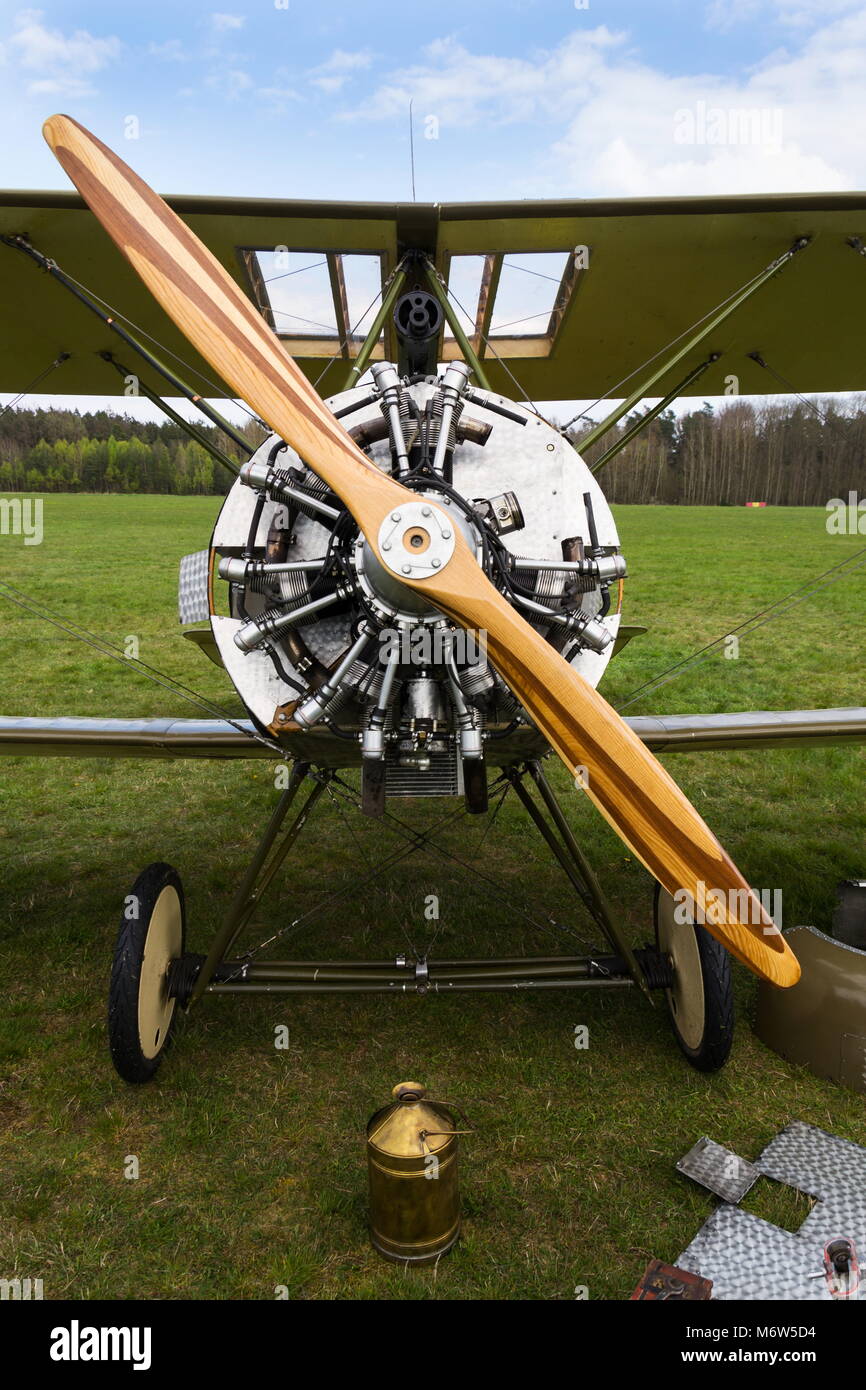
x=782, y=453
x=104, y=451
x=787, y=454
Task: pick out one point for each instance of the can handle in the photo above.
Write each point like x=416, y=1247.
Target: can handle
x=440, y=1133
x=470, y=1127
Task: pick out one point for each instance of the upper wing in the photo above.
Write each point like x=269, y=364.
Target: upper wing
x=655, y=267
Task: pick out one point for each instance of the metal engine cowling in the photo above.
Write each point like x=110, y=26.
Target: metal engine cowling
x=345, y=665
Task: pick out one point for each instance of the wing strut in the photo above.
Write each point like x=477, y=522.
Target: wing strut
x=20, y=243
x=703, y=329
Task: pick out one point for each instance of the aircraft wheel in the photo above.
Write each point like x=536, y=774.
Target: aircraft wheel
x=141, y=1013
x=701, y=999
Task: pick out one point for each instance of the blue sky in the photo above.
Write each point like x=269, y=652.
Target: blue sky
x=545, y=98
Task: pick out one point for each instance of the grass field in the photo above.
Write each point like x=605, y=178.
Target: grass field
x=252, y=1170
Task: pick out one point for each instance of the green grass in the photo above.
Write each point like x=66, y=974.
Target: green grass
x=252, y=1160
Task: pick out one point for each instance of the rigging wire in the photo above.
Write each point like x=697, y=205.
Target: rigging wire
x=364, y=856
x=425, y=841
x=510, y=265
x=58, y=362
x=187, y=366
x=523, y=395
x=804, y=400
x=412, y=842
x=514, y=323
x=662, y=349
x=350, y=336
x=115, y=653
x=749, y=625
x=287, y=273
x=314, y=323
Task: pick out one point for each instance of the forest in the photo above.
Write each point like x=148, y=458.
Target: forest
x=750, y=450
x=106, y=451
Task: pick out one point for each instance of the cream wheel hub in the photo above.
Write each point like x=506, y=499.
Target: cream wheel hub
x=678, y=941
x=164, y=943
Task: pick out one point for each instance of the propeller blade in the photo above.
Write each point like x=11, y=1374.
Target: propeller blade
x=628, y=785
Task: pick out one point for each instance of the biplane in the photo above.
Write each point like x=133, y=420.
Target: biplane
x=416, y=576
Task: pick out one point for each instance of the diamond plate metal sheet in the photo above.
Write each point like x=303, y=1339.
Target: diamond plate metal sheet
x=717, y=1168
x=192, y=597
x=748, y=1258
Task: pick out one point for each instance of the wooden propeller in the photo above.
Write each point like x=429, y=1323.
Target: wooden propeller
x=627, y=784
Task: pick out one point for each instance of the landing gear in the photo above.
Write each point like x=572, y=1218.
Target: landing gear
x=141, y=1010
x=701, y=1000
x=154, y=979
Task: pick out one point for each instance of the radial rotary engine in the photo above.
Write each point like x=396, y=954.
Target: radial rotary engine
x=344, y=663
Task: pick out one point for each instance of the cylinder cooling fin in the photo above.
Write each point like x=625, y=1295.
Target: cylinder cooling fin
x=346, y=665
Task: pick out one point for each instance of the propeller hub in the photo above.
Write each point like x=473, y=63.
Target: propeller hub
x=415, y=540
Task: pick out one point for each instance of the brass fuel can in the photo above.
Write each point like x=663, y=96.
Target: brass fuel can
x=412, y=1168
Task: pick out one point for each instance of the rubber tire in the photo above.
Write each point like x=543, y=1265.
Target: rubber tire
x=710, y=1050
x=129, y=1059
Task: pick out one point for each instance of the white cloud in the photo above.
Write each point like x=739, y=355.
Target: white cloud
x=747, y=137
x=277, y=100
x=224, y=23
x=724, y=15
x=229, y=82
x=727, y=14
x=172, y=51
x=331, y=75
x=343, y=61
x=60, y=64
x=464, y=89
x=605, y=124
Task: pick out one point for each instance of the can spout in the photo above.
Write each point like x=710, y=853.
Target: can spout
x=409, y=1092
